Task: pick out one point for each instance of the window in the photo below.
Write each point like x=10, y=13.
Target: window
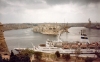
x=54, y=28
x=84, y=38
x=53, y=48
x=83, y=47
x=99, y=47
x=45, y=48
x=65, y=48
x=92, y=47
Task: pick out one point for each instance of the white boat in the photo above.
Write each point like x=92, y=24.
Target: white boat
x=52, y=47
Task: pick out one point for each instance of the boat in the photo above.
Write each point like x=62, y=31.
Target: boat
x=84, y=46
x=92, y=26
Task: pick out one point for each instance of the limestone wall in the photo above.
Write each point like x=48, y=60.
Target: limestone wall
x=3, y=45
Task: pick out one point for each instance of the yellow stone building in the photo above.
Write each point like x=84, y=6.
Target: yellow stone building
x=3, y=45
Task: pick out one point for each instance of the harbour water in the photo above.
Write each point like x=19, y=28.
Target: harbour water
x=24, y=38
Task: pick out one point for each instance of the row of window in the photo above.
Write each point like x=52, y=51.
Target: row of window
x=83, y=48
x=49, y=48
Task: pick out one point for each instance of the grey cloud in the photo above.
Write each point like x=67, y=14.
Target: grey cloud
x=3, y=4
x=81, y=2
x=30, y=4
x=10, y=18
x=11, y=10
x=27, y=1
x=36, y=4
x=20, y=5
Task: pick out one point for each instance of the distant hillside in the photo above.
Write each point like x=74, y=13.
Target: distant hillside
x=14, y=26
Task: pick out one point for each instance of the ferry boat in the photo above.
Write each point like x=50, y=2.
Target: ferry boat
x=83, y=46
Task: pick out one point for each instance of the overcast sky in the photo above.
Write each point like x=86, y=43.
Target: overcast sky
x=40, y=11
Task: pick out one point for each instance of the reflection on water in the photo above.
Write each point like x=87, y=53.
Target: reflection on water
x=24, y=37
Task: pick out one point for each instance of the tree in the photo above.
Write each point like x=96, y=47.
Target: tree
x=53, y=56
x=88, y=59
x=27, y=52
x=38, y=55
x=67, y=57
x=57, y=54
x=98, y=54
x=12, y=54
x=1, y=58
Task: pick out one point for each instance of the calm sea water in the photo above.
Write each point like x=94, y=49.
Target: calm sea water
x=25, y=37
